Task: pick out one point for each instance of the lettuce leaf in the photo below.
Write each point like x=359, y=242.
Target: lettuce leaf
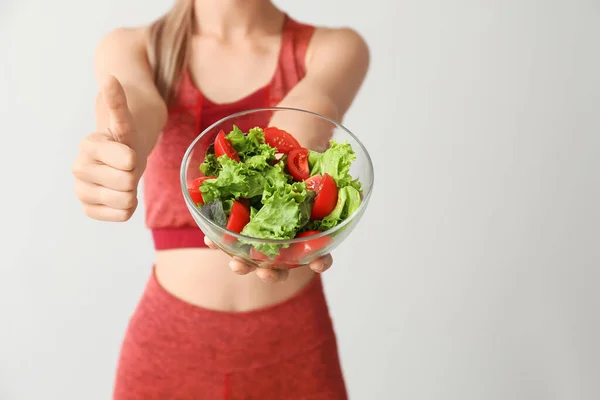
x=352, y=202
x=336, y=162
x=282, y=214
x=275, y=178
x=278, y=218
x=235, y=180
x=313, y=158
x=210, y=166
x=306, y=209
x=252, y=148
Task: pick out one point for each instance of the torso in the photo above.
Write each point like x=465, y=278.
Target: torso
x=199, y=275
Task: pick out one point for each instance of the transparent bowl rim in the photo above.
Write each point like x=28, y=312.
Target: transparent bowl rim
x=196, y=211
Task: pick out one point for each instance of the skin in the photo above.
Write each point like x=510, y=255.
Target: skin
x=130, y=116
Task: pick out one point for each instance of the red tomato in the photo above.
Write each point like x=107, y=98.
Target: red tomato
x=280, y=139
x=245, y=202
x=285, y=256
x=327, y=195
x=224, y=147
x=297, y=164
x=194, y=189
x=310, y=246
x=262, y=257
x=258, y=256
x=238, y=217
x=314, y=182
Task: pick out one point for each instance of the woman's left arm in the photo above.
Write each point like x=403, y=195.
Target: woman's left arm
x=337, y=61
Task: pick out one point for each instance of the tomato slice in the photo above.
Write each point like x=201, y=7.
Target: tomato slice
x=245, y=202
x=326, y=198
x=238, y=217
x=314, y=182
x=287, y=255
x=310, y=246
x=194, y=189
x=280, y=139
x=224, y=147
x=258, y=256
x=297, y=164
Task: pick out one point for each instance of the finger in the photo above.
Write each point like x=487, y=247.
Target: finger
x=120, y=121
x=99, y=148
x=95, y=194
x=210, y=243
x=322, y=264
x=104, y=213
x=240, y=267
x=267, y=275
x=104, y=175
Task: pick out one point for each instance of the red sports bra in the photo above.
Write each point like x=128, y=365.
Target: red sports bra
x=167, y=216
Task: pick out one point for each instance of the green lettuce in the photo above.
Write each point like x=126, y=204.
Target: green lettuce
x=306, y=209
x=235, y=180
x=335, y=161
x=280, y=217
x=275, y=178
x=237, y=139
x=210, y=166
x=313, y=158
x=252, y=148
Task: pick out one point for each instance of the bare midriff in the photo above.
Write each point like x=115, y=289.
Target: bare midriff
x=203, y=278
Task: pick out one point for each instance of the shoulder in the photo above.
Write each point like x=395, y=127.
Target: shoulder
x=123, y=53
x=340, y=45
x=123, y=39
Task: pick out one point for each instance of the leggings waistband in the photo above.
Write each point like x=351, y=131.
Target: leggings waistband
x=235, y=340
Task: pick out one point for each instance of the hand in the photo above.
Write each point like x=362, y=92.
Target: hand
x=240, y=267
x=106, y=171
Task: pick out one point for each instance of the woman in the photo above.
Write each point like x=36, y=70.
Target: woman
x=201, y=331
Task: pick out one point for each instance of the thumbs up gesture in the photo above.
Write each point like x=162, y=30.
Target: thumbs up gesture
x=106, y=171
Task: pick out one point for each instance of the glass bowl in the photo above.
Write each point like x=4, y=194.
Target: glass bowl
x=316, y=133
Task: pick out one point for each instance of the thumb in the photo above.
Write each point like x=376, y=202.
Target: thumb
x=120, y=121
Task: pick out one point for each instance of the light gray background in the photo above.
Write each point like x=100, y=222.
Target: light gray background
x=474, y=274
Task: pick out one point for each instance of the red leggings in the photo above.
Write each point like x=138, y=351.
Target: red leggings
x=174, y=350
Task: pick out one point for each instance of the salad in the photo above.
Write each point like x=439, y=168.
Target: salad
x=263, y=184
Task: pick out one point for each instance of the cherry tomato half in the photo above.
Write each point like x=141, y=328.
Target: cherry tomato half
x=286, y=259
x=238, y=217
x=327, y=195
x=194, y=189
x=297, y=164
x=314, y=182
x=245, y=202
x=224, y=147
x=310, y=246
x=280, y=139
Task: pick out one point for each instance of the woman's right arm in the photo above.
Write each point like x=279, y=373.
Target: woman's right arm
x=130, y=114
